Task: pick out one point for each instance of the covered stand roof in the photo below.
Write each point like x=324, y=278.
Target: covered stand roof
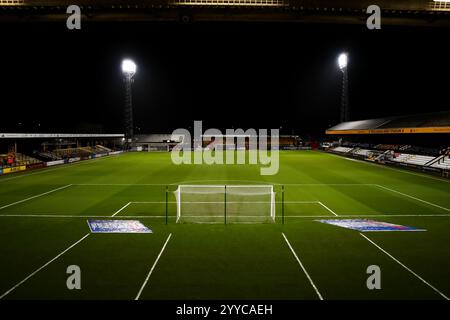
x=420, y=123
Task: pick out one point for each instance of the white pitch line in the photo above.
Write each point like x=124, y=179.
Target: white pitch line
x=228, y=216
x=313, y=202
x=218, y=185
x=73, y=216
x=415, y=198
x=374, y=215
x=408, y=269
x=120, y=184
x=150, y=202
x=220, y=202
x=49, y=262
x=303, y=268
x=64, y=166
x=326, y=184
x=118, y=211
x=200, y=202
x=328, y=208
x=34, y=197
x=42, y=267
x=217, y=202
x=153, y=268
x=59, y=216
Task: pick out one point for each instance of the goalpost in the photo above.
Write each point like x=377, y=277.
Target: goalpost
x=225, y=204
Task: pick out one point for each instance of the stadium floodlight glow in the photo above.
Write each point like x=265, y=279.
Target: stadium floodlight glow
x=343, y=65
x=128, y=70
x=343, y=61
x=128, y=67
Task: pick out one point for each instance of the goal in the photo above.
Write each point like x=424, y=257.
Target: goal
x=225, y=204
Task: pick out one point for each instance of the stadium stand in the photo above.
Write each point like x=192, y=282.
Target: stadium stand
x=23, y=159
x=442, y=163
x=439, y=163
x=342, y=149
x=16, y=159
x=413, y=159
x=430, y=122
x=165, y=142
x=72, y=153
x=363, y=152
x=289, y=142
x=101, y=148
x=390, y=147
x=157, y=142
x=28, y=151
x=417, y=141
x=46, y=156
x=82, y=152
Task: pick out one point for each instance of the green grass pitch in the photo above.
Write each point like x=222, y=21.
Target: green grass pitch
x=43, y=230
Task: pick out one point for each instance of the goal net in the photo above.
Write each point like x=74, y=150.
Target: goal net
x=225, y=204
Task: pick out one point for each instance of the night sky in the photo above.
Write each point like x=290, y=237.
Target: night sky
x=259, y=75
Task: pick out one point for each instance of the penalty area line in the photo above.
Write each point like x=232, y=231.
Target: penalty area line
x=406, y=268
x=328, y=209
x=412, y=197
x=303, y=268
x=34, y=197
x=42, y=267
x=121, y=209
x=153, y=268
x=55, y=258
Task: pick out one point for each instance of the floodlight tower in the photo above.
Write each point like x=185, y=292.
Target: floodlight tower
x=345, y=109
x=128, y=70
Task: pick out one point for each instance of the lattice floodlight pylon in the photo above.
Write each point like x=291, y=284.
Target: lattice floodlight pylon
x=225, y=204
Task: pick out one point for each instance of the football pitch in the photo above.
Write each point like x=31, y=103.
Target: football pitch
x=43, y=219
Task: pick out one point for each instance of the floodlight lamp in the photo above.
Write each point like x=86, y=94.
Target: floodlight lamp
x=128, y=67
x=343, y=61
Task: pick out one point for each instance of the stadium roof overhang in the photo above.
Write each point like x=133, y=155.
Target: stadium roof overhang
x=412, y=124
x=395, y=12
x=60, y=135
x=392, y=131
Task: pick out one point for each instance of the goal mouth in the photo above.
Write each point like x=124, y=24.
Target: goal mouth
x=225, y=204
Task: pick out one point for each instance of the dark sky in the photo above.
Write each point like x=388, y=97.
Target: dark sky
x=259, y=75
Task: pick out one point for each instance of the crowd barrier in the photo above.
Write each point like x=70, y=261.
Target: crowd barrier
x=14, y=169
x=36, y=165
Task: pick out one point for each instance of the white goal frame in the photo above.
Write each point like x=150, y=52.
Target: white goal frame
x=272, y=214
